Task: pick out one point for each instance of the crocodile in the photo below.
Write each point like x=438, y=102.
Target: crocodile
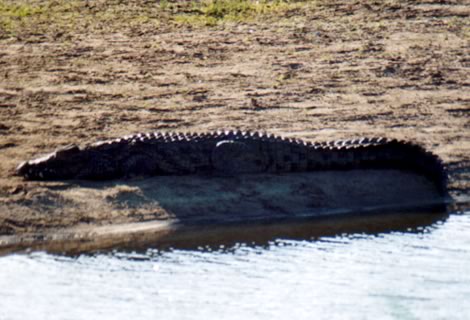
x=228, y=153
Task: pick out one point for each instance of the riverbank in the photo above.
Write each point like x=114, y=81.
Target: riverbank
x=320, y=70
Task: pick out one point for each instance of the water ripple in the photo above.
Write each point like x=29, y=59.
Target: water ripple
x=419, y=274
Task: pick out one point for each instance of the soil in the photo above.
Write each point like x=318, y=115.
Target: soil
x=345, y=69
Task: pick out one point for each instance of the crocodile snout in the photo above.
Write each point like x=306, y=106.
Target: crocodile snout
x=28, y=171
x=22, y=169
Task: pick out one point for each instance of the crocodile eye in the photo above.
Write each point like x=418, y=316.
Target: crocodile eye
x=67, y=150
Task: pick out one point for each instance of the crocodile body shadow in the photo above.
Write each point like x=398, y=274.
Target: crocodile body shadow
x=228, y=153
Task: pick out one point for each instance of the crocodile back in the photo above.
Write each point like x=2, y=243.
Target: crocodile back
x=237, y=152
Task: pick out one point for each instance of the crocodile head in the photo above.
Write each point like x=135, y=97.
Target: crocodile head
x=64, y=163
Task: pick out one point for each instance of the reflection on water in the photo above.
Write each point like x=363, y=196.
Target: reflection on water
x=308, y=228
x=198, y=236
x=395, y=273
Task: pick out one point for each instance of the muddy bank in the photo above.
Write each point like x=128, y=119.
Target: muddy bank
x=339, y=70
x=190, y=210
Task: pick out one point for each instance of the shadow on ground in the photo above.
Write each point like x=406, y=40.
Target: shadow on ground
x=191, y=211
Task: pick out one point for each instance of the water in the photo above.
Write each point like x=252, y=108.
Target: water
x=417, y=274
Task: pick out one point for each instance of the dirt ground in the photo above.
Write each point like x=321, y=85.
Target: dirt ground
x=340, y=69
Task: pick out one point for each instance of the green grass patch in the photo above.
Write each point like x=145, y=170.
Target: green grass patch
x=53, y=16
x=18, y=11
x=26, y=17
x=18, y=17
x=214, y=12
x=12, y=14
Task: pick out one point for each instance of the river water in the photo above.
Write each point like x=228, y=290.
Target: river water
x=417, y=273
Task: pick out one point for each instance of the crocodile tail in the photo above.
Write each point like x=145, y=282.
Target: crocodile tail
x=411, y=157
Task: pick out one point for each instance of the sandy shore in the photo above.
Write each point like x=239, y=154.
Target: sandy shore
x=340, y=69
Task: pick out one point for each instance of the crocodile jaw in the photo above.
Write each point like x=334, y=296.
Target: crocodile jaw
x=48, y=167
